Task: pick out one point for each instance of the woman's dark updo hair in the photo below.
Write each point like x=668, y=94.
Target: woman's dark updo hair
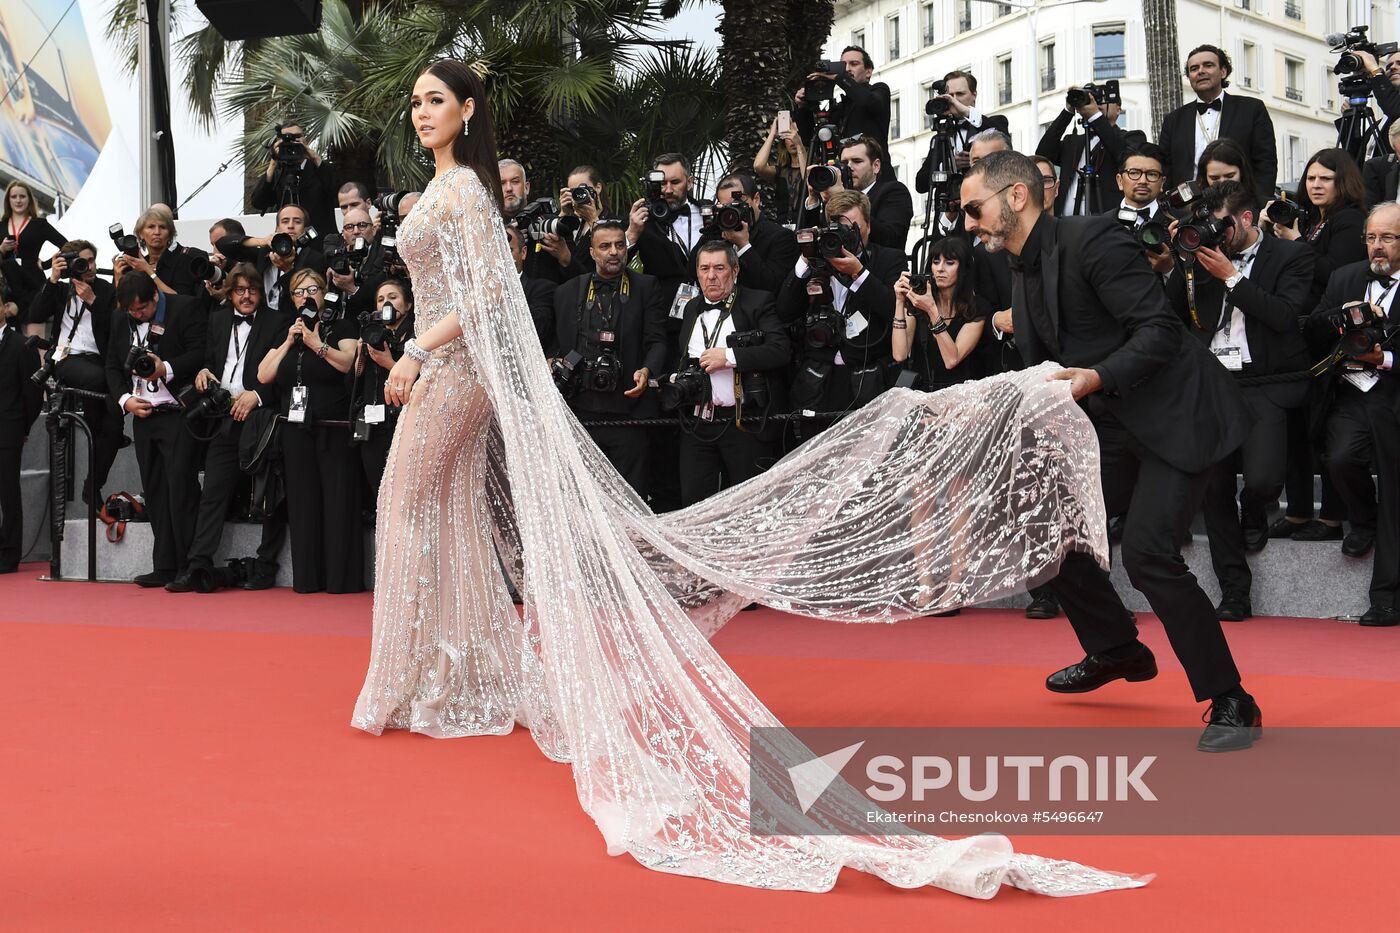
x=475, y=148
x=404, y=288
x=1228, y=152
x=957, y=249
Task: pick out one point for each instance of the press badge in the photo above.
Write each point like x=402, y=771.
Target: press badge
x=1232, y=358
x=374, y=414
x=1362, y=379
x=855, y=324
x=296, y=411
x=683, y=295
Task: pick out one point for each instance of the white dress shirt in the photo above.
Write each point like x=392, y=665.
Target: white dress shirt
x=83, y=340
x=1233, y=335
x=1091, y=145
x=141, y=388
x=1207, y=126
x=1382, y=295
x=721, y=381
x=236, y=356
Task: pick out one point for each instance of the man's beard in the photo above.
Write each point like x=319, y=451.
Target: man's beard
x=1010, y=223
x=1381, y=266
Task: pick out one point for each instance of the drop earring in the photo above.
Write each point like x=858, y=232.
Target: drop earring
x=466, y=127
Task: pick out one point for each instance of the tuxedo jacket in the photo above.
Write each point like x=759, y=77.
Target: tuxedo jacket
x=1242, y=119
x=1349, y=283
x=52, y=301
x=1381, y=176
x=641, y=336
x=664, y=257
x=874, y=300
x=1274, y=301
x=773, y=252
x=863, y=110
x=990, y=121
x=753, y=310
x=182, y=346
x=1068, y=152
x=539, y=297
x=1109, y=314
x=261, y=258
x=20, y=398
x=268, y=329
x=891, y=211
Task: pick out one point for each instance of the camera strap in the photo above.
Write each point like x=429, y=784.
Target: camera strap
x=712, y=339
x=1189, y=270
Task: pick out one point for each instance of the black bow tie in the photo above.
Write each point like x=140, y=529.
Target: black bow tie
x=241, y=319
x=1383, y=277
x=1213, y=105
x=1145, y=213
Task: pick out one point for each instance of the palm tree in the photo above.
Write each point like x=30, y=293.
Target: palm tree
x=1163, y=57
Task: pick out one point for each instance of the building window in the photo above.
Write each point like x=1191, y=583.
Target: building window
x=928, y=17
x=1003, y=9
x=1108, y=52
x=1004, y=80
x=1328, y=87
x=895, y=132
x=1294, y=157
x=1293, y=79
x=892, y=34
x=1246, y=65
x=1244, y=4
x=1293, y=9
x=964, y=15
x=926, y=94
x=858, y=37
x=1047, y=66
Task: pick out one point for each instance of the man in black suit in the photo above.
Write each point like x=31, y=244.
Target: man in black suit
x=1164, y=410
x=846, y=369
x=172, y=330
x=239, y=336
x=277, y=255
x=1141, y=175
x=539, y=293
x=311, y=182
x=1362, y=412
x=1249, y=302
x=1381, y=175
x=20, y=399
x=891, y=204
x=81, y=308
x=960, y=95
x=616, y=319
x=1088, y=158
x=1214, y=115
x=863, y=110
x=982, y=145
x=766, y=250
x=666, y=243
x=730, y=441
x=552, y=257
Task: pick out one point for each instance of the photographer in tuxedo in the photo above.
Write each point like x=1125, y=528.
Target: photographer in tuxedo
x=539, y=293
x=1381, y=175
x=766, y=250
x=275, y=258
x=1362, y=411
x=1165, y=413
x=719, y=449
x=666, y=243
x=891, y=204
x=155, y=350
x=1087, y=158
x=20, y=400
x=239, y=335
x=848, y=320
x=616, y=321
x=79, y=310
x=1214, y=115
x=1249, y=300
x=864, y=108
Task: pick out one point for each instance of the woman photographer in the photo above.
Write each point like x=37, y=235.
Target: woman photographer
x=392, y=293
x=1224, y=160
x=947, y=318
x=786, y=176
x=310, y=368
x=22, y=234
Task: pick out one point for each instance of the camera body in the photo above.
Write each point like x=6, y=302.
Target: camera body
x=343, y=258
x=936, y=106
x=1153, y=236
x=918, y=284
x=825, y=177
x=214, y=402
x=1283, y=211
x=657, y=205
x=823, y=88
x=753, y=384
x=583, y=194
x=284, y=245
x=540, y=218
x=140, y=362
x=736, y=215
x=127, y=243
x=690, y=385
x=1103, y=94
x=603, y=372
x=567, y=373
x=291, y=152
x=76, y=267
x=1201, y=228
x=1359, y=329
x=1355, y=40
x=374, y=325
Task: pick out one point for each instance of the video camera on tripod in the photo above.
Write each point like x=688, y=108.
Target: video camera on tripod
x=1357, y=129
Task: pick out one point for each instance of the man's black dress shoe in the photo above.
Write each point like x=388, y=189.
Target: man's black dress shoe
x=1381, y=617
x=1233, y=609
x=1042, y=607
x=260, y=582
x=184, y=583
x=1098, y=669
x=1256, y=538
x=1358, y=543
x=1283, y=528
x=154, y=579
x=1234, y=725
x=1317, y=531
x=9, y=568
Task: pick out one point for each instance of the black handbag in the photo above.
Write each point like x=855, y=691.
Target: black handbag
x=260, y=456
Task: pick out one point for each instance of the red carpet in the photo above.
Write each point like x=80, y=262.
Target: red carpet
x=186, y=763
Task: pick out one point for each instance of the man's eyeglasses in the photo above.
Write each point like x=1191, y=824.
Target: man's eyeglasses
x=245, y=289
x=1385, y=239
x=973, y=209
x=308, y=291
x=1137, y=174
x=362, y=225
x=1049, y=180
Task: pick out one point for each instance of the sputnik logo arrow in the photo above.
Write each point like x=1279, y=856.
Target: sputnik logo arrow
x=811, y=778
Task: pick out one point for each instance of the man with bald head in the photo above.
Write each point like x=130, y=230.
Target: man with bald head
x=1362, y=425
x=1165, y=413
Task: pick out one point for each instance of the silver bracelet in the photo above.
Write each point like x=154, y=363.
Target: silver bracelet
x=415, y=352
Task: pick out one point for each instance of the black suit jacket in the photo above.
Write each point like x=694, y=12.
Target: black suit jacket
x=753, y=310
x=1243, y=119
x=1349, y=283
x=1274, y=301
x=641, y=338
x=539, y=296
x=1338, y=244
x=864, y=109
x=181, y=346
x=267, y=330
x=874, y=300
x=664, y=257
x=891, y=211
x=773, y=252
x=20, y=398
x=319, y=185
x=52, y=300
x=1110, y=315
x=1380, y=176
x=1068, y=152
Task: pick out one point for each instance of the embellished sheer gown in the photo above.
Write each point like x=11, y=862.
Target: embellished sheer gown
x=610, y=666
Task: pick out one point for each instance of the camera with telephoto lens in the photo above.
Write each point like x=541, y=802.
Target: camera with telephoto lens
x=657, y=205
x=126, y=243
x=213, y=402
x=283, y=245
x=823, y=325
x=292, y=152
x=1284, y=212
x=825, y=177
x=374, y=325
x=736, y=215
x=205, y=269
x=343, y=258
x=752, y=383
x=328, y=311
x=45, y=370
x=76, y=267
x=140, y=362
x=583, y=194
x=567, y=372
x=540, y=218
x=1359, y=329
x=1153, y=236
x=938, y=105
x=1103, y=94
x=688, y=386
x=824, y=86
x=1202, y=228
x=1353, y=41
x=603, y=371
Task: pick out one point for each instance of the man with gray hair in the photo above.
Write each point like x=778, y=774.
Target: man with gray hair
x=548, y=258
x=1165, y=413
x=979, y=147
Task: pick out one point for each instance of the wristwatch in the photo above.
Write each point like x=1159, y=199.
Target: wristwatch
x=1234, y=280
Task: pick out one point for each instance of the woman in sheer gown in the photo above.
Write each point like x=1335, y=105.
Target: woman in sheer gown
x=610, y=667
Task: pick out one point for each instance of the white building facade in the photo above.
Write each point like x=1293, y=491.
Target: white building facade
x=1023, y=50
